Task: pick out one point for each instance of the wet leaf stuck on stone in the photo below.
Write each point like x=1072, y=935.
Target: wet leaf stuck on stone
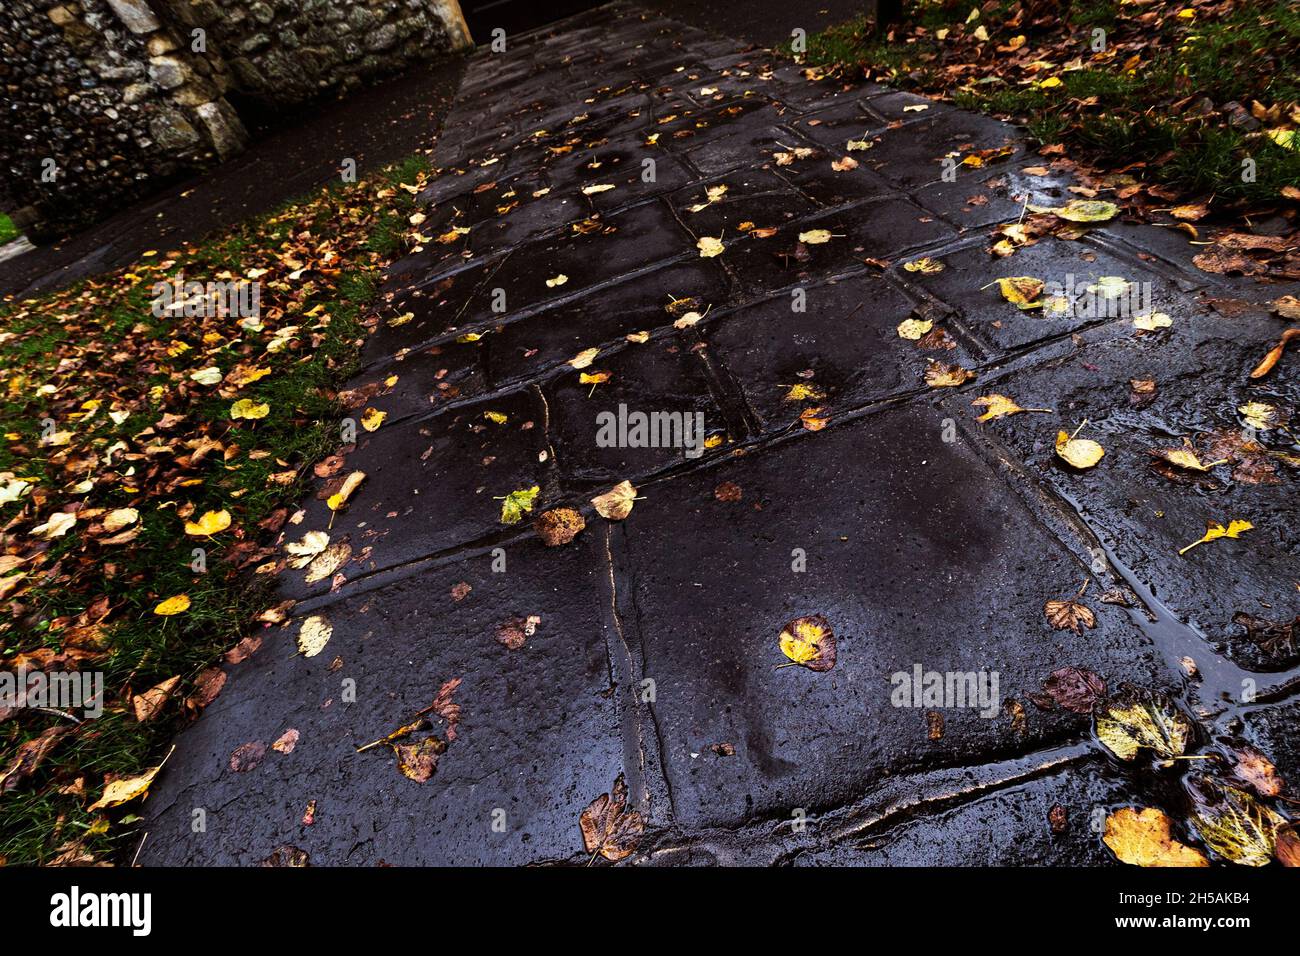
x=616, y=504
x=1078, y=452
x=609, y=829
x=809, y=642
x=1214, y=531
x=1233, y=823
x=1145, y=838
x=558, y=526
x=518, y=503
x=1139, y=719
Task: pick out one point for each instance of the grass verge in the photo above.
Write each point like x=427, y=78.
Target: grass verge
x=1203, y=98
x=121, y=437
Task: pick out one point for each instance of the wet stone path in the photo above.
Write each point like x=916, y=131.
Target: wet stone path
x=581, y=170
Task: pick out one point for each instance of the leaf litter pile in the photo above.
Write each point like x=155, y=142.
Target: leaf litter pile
x=130, y=440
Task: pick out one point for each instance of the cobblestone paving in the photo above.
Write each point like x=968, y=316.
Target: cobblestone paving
x=925, y=537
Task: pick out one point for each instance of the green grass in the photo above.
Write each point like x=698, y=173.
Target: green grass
x=1253, y=53
x=143, y=649
x=7, y=230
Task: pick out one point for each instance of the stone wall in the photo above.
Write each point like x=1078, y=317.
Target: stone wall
x=284, y=51
x=101, y=101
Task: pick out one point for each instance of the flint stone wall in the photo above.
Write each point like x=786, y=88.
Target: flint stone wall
x=102, y=101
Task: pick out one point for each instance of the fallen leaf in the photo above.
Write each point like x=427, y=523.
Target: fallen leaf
x=709, y=247
x=1145, y=838
x=926, y=266
x=1081, y=210
x=249, y=409
x=999, y=406
x=314, y=634
x=1069, y=613
x=1075, y=689
x=1022, y=291
x=173, y=605
x=1233, y=823
x=558, y=526
x=815, y=237
x=286, y=742
x=616, y=504
x=121, y=790
x=516, y=631
x=148, y=704
x=372, y=418
x=208, y=524
x=1078, y=452
x=809, y=642
x=350, y=484
x=518, y=503
x=609, y=829
x=1139, y=719
x=1214, y=531
x=941, y=374
x=914, y=329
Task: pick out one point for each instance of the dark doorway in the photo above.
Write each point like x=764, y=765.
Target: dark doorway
x=516, y=16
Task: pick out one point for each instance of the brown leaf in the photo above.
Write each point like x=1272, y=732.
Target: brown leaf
x=148, y=704
x=608, y=827
x=28, y=757
x=247, y=756
x=1071, y=614
x=1253, y=768
x=419, y=760
x=1075, y=689
x=1274, y=354
x=728, y=491
x=514, y=632
x=287, y=856
x=558, y=526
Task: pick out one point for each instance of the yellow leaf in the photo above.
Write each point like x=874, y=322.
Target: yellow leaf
x=1150, y=321
x=616, y=504
x=801, y=392
x=559, y=280
x=999, y=406
x=1185, y=457
x=247, y=408
x=913, y=329
x=1144, y=838
x=592, y=190
x=815, y=237
x=1081, y=210
x=372, y=418
x=709, y=247
x=518, y=503
x=1214, y=531
x=1079, y=452
x=124, y=789
x=210, y=523
x=584, y=358
x=314, y=634
x=809, y=642
x=1050, y=83
x=1139, y=719
x=1259, y=415
x=340, y=498
x=943, y=375
x=173, y=605
x=1022, y=291
x=926, y=266
x=499, y=418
